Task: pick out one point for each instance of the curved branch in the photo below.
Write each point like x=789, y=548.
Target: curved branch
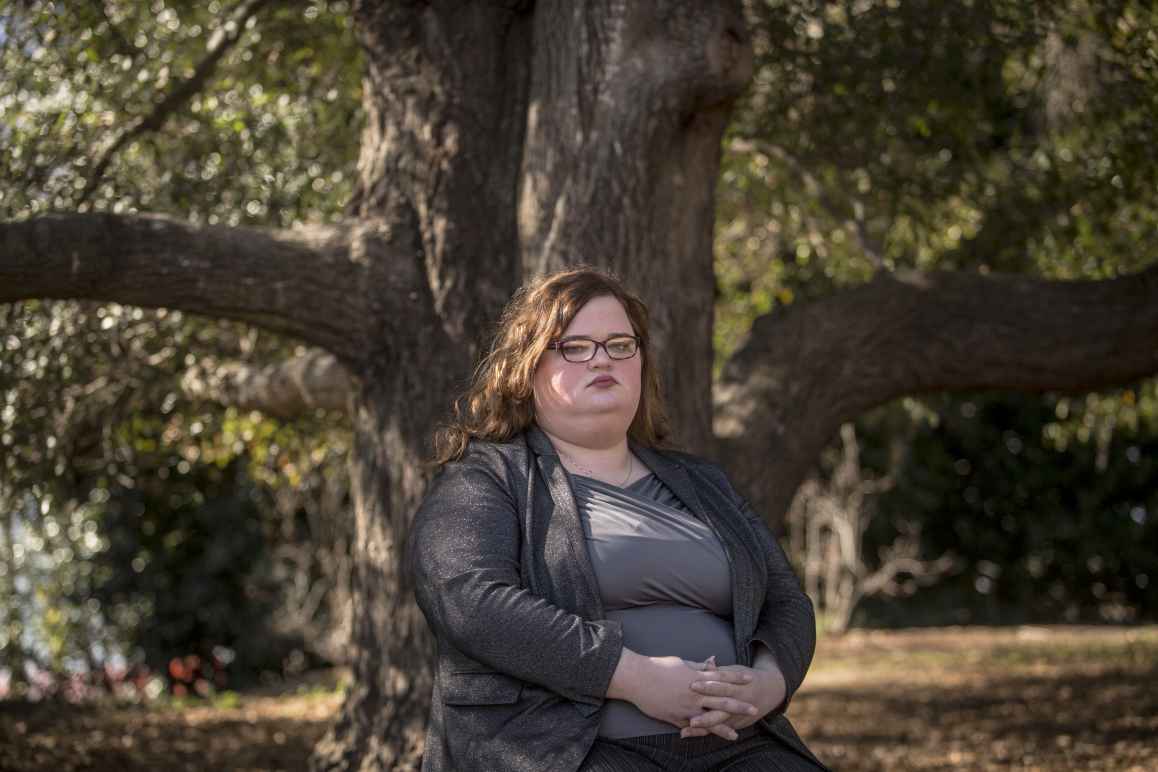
x=321, y=284
x=302, y=384
x=883, y=581
x=223, y=39
x=805, y=370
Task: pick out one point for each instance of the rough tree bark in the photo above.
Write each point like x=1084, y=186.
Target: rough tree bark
x=508, y=138
x=599, y=124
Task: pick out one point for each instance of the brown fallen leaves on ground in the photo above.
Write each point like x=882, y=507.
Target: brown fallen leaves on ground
x=942, y=698
x=274, y=730
x=1029, y=698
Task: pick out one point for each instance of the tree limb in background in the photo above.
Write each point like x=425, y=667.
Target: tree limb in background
x=828, y=522
x=313, y=381
x=806, y=369
x=314, y=283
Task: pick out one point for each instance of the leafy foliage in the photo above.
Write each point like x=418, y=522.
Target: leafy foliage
x=979, y=136
x=270, y=138
x=983, y=135
x=109, y=470
x=93, y=421
x=1051, y=527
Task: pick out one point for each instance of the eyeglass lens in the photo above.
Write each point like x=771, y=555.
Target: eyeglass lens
x=583, y=350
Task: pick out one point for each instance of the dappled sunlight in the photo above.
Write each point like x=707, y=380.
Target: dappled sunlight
x=984, y=698
x=921, y=699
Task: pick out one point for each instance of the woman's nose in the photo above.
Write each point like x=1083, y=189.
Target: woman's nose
x=601, y=357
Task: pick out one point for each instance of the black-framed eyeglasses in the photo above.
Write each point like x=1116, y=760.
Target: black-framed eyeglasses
x=579, y=348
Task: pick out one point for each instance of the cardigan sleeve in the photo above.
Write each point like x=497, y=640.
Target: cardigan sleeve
x=787, y=621
x=463, y=550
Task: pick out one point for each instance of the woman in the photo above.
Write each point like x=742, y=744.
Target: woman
x=600, y=600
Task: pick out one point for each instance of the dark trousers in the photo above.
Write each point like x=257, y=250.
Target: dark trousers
x=752, y=751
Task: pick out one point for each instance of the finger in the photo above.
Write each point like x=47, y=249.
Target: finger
x=730, y=705
x=729, y=676
x=696, y=665
x=739, y=722
x=708, y=723
x=709, y=718
x=714, y=688
x=718, y=729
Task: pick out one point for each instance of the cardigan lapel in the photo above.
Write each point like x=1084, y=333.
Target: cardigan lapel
x=567, y=512
x=673, y=475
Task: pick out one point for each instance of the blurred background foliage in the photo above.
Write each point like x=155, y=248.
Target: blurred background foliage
x=141, y=526
x=980, y=136
x=269, y=138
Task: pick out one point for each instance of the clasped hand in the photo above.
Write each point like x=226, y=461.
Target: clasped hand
x=719, y=700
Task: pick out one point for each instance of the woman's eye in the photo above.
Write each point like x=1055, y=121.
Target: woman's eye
x=576, y=349
x=620, y=346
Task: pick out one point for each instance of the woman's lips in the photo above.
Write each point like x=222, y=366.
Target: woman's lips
x=603, y=380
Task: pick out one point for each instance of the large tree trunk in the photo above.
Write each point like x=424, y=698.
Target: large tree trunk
x=628, y=105
x=503, y=141
x=444, y=95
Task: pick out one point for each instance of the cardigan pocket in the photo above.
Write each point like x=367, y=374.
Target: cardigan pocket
x=480, y=689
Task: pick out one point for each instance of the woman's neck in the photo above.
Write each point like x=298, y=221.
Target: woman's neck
x=612, y=463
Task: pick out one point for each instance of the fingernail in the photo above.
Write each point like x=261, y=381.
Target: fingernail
x=751, y=711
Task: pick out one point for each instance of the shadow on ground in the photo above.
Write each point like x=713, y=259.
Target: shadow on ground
x=985, y=699
x=934, y=699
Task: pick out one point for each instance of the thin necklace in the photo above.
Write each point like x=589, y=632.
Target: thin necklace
x=630, y=469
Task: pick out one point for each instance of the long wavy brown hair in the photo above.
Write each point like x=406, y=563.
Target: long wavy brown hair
x=499, y=403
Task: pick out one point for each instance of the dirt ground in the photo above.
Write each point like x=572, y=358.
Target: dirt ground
x=944, y=698
x=1028, y=698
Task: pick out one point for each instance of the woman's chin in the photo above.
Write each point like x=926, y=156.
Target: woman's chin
x=606, y=416
x=606, y=406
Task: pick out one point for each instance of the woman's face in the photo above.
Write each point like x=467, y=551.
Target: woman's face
x=590, y=403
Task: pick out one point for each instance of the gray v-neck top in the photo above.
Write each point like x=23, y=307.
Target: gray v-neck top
x=663, y=574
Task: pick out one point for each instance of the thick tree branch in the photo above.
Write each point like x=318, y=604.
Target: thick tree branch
x=318, y=284
x=223, y=39
x=310, y=382
x=805, y=370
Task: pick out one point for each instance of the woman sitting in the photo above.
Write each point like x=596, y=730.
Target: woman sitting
x=600, y=600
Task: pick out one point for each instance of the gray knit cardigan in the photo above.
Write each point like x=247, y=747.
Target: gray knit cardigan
x=525, y=655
